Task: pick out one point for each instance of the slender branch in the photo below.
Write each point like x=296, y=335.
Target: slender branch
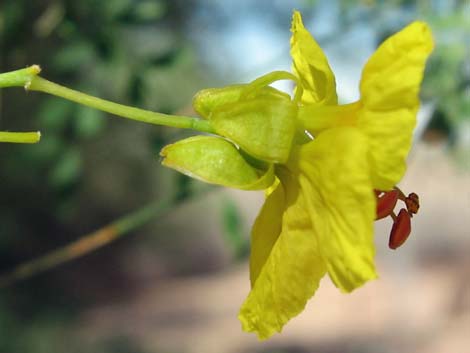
x=90, y=242
x=182, y=122
x=29, y=79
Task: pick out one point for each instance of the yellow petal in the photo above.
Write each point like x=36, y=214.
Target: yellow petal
x=389, y=137
x=335, y=176
x=389, y=93
x=317, y=118
x=311, y=65
x=266, y=230
x=216, y=161
x=290, y=275
x=392, y=76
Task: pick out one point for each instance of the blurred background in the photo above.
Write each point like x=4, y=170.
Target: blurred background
x=175, y=284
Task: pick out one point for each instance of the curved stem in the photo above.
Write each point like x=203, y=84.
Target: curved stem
x=182, y=122
x=29, y=79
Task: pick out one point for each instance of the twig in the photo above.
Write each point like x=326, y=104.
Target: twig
x=89, y=242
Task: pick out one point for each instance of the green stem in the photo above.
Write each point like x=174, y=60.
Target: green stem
x=29, y=79
x=182, y=122
x=20, y=137
x=19, y=78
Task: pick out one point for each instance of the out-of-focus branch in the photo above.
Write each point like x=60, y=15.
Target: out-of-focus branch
x=90, y=242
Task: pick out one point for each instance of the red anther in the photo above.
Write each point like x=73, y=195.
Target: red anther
x=412, y=203
x=386, y=203
x=401, y=229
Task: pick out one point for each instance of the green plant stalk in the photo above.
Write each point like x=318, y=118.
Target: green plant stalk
x=29, y=79
x=19, y=78
x=20, y=137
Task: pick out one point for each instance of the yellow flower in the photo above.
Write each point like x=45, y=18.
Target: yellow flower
x=320, y=207
x=319, y=218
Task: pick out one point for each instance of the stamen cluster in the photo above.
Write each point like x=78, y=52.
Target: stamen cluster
x=401, y=228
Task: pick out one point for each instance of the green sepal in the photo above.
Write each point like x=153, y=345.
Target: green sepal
x=216, y=161
x=263, y=127
x=207, y=100
x=258, y=118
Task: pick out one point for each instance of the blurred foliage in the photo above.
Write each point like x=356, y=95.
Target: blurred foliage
x=447, y=82
x=88, y=169
x=234, y=230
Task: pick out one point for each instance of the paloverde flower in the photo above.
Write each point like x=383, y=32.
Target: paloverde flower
x=321, y=201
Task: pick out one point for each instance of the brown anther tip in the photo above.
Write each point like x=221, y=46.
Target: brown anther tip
x=401, y=229
x=412, y=203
